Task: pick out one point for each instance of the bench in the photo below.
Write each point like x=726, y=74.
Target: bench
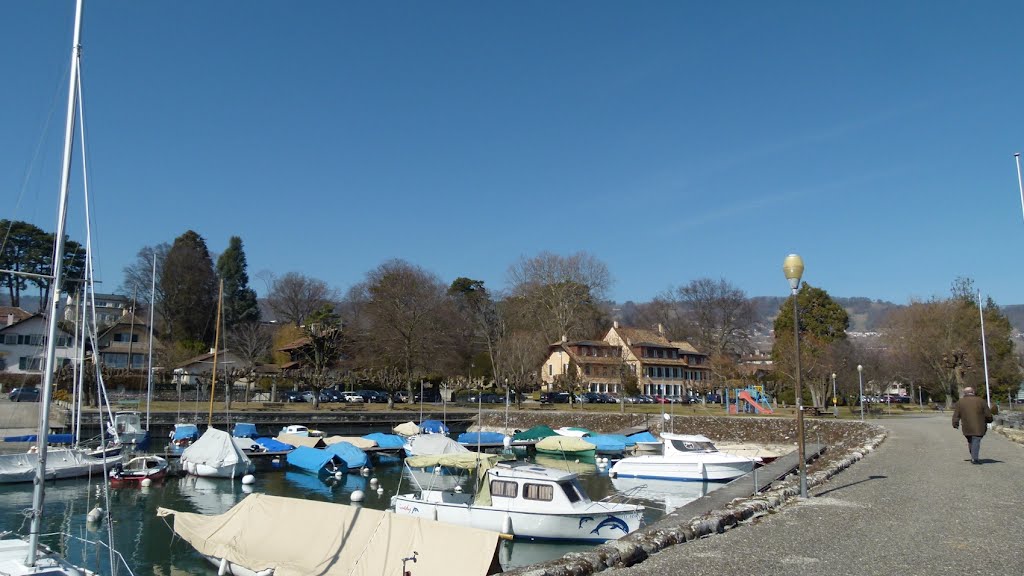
x=821, y=411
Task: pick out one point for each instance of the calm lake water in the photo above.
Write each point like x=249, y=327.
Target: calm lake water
x=149, y=546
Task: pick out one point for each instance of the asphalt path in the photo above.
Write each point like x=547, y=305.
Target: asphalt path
x=914, y=506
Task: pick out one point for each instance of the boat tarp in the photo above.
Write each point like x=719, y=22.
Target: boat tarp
x=352, y=457
x=573, y=431
x=296, y=440
x=472, y=461
x=643, y=437
x=273, y=445
x=433, y=427
x=387, y=441
x=214, y=448
x=407, y=429
x=246, y=444
x=432, y=444
x=535, y=433
x=50, y=438
x=312, y=460
x=608, y=442
x=244, y=430
x=185, y=431
x=482, y=437
x=297, y=537
x=567, y=444
x=356, y=441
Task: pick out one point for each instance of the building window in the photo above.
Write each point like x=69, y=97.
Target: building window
x=551, y=369
x=26, y=363
x=504, y=489
x=125, y=337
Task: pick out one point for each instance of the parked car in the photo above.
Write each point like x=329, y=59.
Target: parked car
x=401, y=396
x=554, y=398
x=485, y=398
x=591, y=398
x=330, y=395
x=292, y=396
x=428, y=396
x=24, y=395
x=352, y=397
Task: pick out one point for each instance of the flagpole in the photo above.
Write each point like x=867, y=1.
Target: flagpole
x=1020, y=183
x=984, y=353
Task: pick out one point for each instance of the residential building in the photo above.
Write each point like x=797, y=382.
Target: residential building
x=109, y=308
x=662, y=367
x=199, y=369
x=125, y=343
x=23, y=345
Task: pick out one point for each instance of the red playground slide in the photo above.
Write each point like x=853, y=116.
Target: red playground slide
x=760, y=409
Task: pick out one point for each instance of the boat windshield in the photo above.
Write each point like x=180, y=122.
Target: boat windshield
x=572, y=489
x=691, y=446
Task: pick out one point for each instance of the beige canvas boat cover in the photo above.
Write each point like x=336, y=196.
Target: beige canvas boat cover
x=407, y=429
x=299, y=537
x=296, y=440
x=361, y=443
x=564, y=444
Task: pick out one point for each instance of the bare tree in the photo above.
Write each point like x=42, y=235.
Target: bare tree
x=404, y=318
x=519, y=354
x=321, y=356
x=250, y=341
x=138, y=276
x=721, y=314
x=559, y=295
x=293, y=297
x=481, y=315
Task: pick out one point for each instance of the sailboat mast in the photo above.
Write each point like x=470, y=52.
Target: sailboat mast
x=216, y=345
x=57, y=265
x=149, y=368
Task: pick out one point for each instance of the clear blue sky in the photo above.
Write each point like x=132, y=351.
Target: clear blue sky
x=672, y=140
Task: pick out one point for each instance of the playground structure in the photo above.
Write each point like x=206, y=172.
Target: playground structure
x=749, y=400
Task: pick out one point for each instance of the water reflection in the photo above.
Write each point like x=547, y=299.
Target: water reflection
x=150, y=547
x=666, y=495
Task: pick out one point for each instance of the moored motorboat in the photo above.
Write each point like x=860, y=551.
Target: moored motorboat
x=519, y=499
x=215, y=455
x=685, y=457
x=265, y=534
x=316, y=461
x=138, y=469
x=566, y=447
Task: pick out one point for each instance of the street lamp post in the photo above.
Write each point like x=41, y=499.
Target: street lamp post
x=793, y=267
x=835, y=401
x=860, y=377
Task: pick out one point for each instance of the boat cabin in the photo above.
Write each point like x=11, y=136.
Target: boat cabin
x=687, y=444
x=300, y=430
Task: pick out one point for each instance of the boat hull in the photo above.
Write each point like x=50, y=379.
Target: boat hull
x=662, y=468
x=60, y=463
x=599, y=523
x=236, y=470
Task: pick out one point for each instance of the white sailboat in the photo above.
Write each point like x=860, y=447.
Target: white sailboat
x=29, y=555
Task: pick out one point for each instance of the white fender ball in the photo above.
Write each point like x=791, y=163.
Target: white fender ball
x=357, y=496
x=248, y=479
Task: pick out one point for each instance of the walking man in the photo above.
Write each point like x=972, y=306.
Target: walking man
x=975, y=415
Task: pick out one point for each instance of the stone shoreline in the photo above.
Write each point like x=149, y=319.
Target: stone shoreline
x=846, y=442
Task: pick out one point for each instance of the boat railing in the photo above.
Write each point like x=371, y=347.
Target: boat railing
x=628, y=496
x=64, y=536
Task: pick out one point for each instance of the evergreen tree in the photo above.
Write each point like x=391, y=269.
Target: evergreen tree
x=189, y=286
x=239, y=299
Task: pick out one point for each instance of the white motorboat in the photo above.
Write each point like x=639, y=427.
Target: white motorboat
x=685, y=457
x=519, y=499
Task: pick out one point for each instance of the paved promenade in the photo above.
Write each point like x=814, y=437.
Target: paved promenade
x=915, y=506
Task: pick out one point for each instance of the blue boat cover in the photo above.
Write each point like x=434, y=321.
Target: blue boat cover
x=386, y=441
x=608, y=443
x=273, y=445
x=244, y=430
x=643, y=437
x=50, y=438
x=353, y=457
x=433, y=427
x=185, y=431
x=484, y=438
x=313, y=460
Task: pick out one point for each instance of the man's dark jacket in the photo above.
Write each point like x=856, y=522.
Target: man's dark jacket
x=973, y=414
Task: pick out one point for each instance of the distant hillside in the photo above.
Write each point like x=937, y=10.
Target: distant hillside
x=866, y=315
